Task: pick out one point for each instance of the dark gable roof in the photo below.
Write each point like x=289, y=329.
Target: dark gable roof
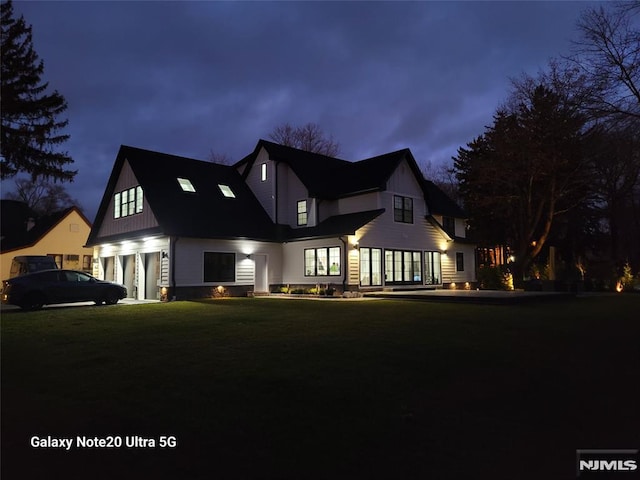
x=331, y=178
x=15, y=216
x=208, y=214
x=328, y=177
x=205, y=213
x=335, y=226
x=439, y=202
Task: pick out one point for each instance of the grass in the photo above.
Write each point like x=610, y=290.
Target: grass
x=272, y=388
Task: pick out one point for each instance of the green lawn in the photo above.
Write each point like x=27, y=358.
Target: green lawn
x=271, y=388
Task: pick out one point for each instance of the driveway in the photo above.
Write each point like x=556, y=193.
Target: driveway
x=124, y=301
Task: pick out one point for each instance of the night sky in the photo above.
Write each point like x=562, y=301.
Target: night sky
x=188, y=78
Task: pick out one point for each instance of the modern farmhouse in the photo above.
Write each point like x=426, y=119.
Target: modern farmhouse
x=173, y=227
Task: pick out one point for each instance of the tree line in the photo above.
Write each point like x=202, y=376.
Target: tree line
x=560, y=163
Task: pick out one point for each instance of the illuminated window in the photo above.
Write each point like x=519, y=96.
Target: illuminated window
x=263, y=172
x=186, y=185
x=370, y=266
x=403, y=267
x=432, y=268
x=322, y=262
x=226, y=191
x=128, y=202
x=302, y=212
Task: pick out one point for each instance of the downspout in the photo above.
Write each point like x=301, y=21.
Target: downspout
x=174, y=240
x=345, y=257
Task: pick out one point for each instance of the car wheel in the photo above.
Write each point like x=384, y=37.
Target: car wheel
x=98, y=301
x=111, y=297
x=34, y=301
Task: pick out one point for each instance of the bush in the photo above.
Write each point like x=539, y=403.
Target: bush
x=494, y=278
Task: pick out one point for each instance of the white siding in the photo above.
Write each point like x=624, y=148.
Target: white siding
x=293, y=262
x=132, y=223
x=359, y=203
x=449, y=273
x=264, y=190
x=190, y=260
x=290, y=191
x=387, y=233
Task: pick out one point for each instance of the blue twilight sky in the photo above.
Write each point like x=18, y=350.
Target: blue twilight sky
x=188, y=78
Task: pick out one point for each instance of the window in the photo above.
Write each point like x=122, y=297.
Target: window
x=449, y=225
x=128, y=202
x=263, y=172
x=370, y=266
x=322, y=262
x=219, y=267
x=403, y=267
x=86, y=262
x=75, y=277
x=402, y=209
x=302, y=212
x=432, y=270
x=459, y=262
x=226, y=191
x=186, y=185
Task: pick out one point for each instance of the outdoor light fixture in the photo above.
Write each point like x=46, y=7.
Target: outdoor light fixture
x=249, y=256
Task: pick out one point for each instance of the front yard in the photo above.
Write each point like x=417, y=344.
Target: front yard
x=297, y=389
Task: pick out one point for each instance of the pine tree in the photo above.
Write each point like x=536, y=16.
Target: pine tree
x=30, y=116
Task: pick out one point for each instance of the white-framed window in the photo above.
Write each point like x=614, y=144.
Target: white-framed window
x=186, y=185
x=459, y=262
x=302, y=212
x=320, y=262
x=263, y=172
x=226, y=191
x=128, y=202
x=402, y=209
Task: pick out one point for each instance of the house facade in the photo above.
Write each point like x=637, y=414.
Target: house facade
x=61, y=235
x=172, y=227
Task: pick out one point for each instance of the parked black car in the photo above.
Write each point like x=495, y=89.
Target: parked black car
x=32, y=291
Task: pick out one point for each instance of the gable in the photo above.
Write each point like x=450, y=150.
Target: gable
x=112, y=225
x=208, y=211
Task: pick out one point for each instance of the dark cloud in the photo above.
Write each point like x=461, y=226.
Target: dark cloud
x=193, y=77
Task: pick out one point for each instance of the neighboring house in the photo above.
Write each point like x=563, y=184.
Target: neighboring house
x=61, y=235
x=170, y=226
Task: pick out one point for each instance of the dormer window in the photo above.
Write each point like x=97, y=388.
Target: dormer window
x=226, y=191
x=186, y=185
